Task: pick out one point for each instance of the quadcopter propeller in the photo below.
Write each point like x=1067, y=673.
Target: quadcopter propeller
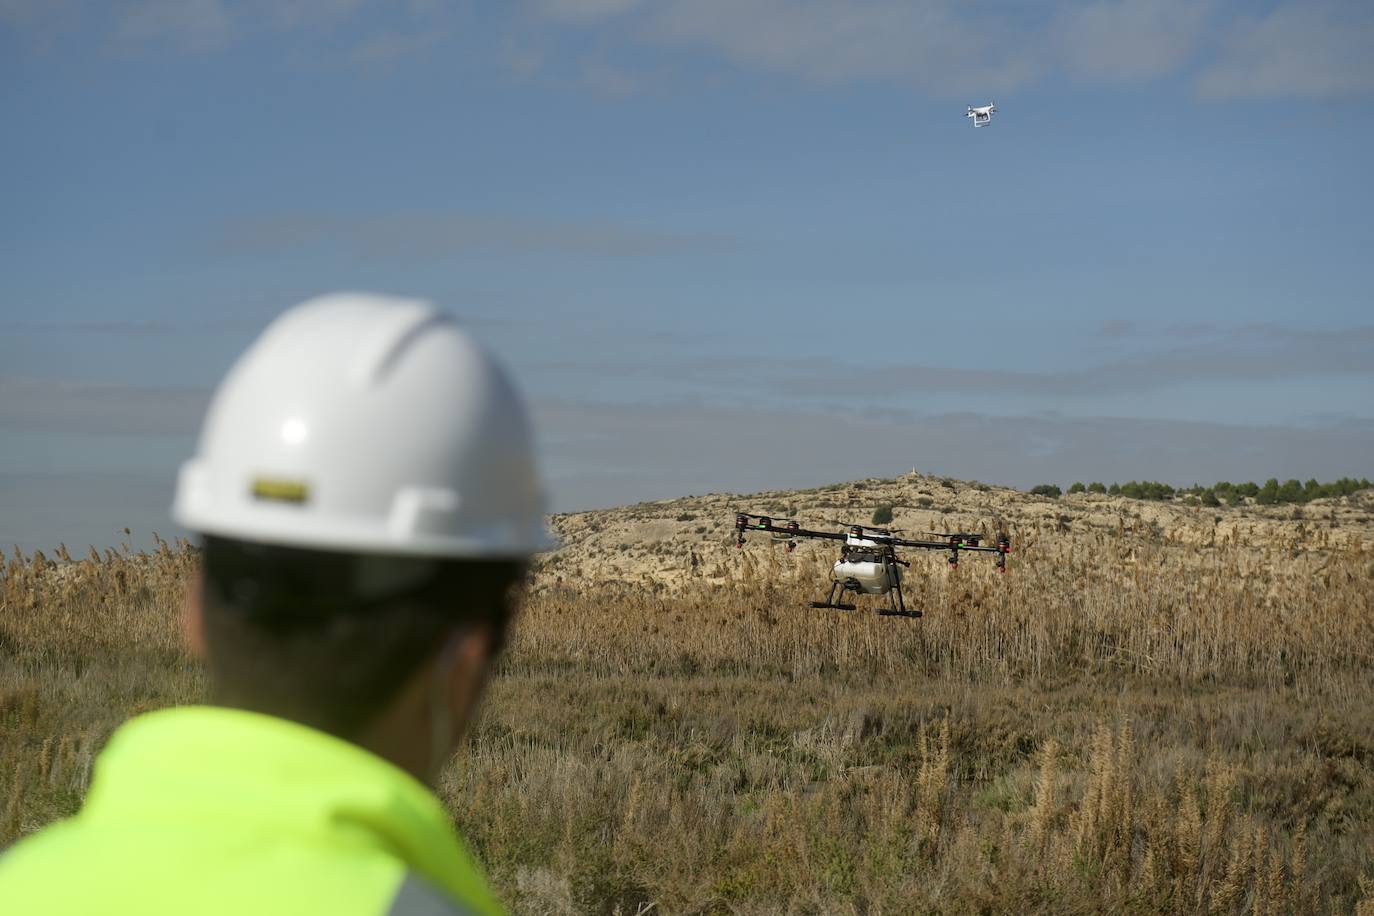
x=854, y=526
x=971, y=538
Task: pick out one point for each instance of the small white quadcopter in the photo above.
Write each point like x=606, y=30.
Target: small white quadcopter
x=982, y=115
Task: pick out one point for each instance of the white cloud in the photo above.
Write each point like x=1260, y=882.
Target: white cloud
x=390, y=47
x=586, y=9
x=945, y=47
x=518, y=59
x=21, y=12
x=938, y=47
x=429, y=235
x=612, y=454
x=293, y=14
x=608, y=79
x=1126, y=40
x=1300, y=49
x=91, y=408
x=934, y=45
x=195, y=25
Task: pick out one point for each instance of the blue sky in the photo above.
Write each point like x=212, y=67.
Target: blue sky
x=724, y=245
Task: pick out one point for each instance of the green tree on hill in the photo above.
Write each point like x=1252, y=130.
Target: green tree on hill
x=1147, y=489
x=1272, y=493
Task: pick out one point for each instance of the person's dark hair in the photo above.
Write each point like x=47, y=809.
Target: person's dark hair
x=327, y=638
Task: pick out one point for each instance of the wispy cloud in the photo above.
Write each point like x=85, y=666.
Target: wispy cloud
x=609, y=454
x=937, y=47
x=297, y=14
x=519, y=59
x=1318, y=48
x=387, y=48
x=86, y=408
x=133, y=327
x=1175, y=355
x=28, y=14
x=363, y=32
x=1116, y=327
x=607, y=79
x=942, y=47
x=424, y=236
x=586, y=9
x=1252, y=353
x=1130, y=40
x=193, y=25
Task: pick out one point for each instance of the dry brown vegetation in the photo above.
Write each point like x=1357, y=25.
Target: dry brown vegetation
x=1156, y=710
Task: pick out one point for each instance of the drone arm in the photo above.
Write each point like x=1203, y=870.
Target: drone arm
x=946, y=545
x=745, y=522
x=954, y=543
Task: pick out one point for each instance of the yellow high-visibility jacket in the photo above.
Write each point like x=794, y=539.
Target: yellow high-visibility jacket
x=204, y=810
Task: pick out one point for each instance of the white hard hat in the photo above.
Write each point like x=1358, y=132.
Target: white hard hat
x=367, y=424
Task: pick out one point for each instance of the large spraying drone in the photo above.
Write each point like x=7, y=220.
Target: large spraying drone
x=868, y=563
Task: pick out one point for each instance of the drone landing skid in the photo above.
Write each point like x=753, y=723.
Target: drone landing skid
x=837, y=589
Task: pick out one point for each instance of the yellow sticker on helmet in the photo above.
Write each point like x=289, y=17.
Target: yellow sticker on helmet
x=278, y=490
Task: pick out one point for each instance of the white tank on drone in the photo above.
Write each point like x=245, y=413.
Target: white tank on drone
x=874, y=577
x=875, y=574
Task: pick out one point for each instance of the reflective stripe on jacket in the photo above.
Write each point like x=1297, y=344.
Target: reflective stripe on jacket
x=216, y=811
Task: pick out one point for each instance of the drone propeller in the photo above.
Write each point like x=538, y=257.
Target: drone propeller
x=968, y=538
x=855, y=526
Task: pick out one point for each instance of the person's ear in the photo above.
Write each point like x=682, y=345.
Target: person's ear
x=193, y=615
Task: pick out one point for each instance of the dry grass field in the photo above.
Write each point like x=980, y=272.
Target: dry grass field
x=1159, y=708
